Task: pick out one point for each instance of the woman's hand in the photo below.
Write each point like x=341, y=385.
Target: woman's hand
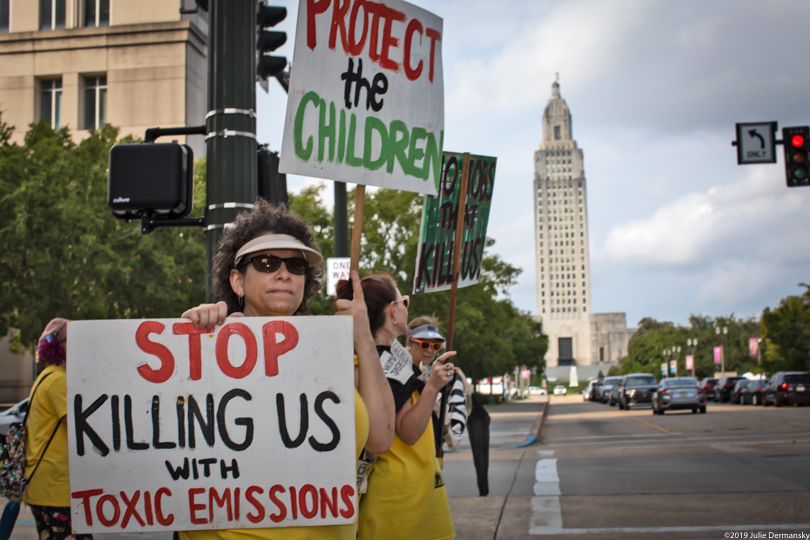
x=357, y=309
x=442, y=371
x=207, y=316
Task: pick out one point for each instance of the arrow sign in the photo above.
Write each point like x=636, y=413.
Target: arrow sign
x=755, y=143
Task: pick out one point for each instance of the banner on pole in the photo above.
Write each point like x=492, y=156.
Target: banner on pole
x=718, y=355
x=366, y=98
x=437, y=236
x=173, y=428
x=673, y=367
x=690, y=362
x=753, y=347
x=664, y=369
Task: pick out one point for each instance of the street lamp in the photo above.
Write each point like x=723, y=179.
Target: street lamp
x=722, y=335
x=692, y=344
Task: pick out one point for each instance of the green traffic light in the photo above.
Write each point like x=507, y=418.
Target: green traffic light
x=800, y=173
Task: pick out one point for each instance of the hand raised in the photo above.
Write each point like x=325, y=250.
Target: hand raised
x=207, y=316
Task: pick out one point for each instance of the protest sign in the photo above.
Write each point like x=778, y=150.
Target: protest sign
x=174, y=428
x=434, y=263
x=366, y=97
x=337, y=268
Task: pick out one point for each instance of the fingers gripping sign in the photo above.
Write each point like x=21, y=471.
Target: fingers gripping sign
x=208, y=316
x=355, y=308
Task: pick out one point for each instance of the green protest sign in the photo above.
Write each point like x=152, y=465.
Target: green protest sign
x=434, y=263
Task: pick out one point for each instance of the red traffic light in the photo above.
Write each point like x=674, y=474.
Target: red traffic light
x=797, y=140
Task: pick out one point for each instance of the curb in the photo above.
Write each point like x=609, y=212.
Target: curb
x=537, y=427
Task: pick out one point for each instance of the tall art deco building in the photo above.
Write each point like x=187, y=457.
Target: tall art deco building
x=576, y=335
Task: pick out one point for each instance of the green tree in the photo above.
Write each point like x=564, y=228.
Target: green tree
x=62, y=253
x=786, y=330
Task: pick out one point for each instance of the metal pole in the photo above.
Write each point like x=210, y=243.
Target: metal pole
x=231, y=119
x=341, y=221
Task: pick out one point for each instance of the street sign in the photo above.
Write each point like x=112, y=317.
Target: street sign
x=755, y=143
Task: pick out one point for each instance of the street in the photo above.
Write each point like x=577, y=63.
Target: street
x=603, y=473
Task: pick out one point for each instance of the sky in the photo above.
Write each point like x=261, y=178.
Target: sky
x=655, y=87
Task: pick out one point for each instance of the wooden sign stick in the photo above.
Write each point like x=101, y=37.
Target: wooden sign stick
x=357, y=228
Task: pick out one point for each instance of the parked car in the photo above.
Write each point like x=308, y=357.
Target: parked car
x=739, y=386
x=675, y=393
x=11, y=415
x=560, y=390
x=635, y=388
x=787, y=387
x=537, y=391
x=607, y=386
x=596, y=390
x=707, y=387
x=723, y=388
x=752, y=393
x=586, y=392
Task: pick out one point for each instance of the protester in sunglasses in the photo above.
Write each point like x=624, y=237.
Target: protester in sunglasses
x=268, y=265
x=405, y=495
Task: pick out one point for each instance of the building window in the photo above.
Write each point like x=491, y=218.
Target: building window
x=556, y=133
x=97, y=13
x=4, y=16
x=601, y=354
x=95, y=102
x=51, y=14
x=50, y=103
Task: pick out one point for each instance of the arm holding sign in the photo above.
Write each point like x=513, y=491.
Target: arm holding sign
x=372, y=384
x=412, y=420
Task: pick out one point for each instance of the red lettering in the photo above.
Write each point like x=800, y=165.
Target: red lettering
x=282, y=510
x=314, y=7
x=434, y=36
x=356, y=46
x=273, y=350
x=236, y=501
x=373, y=9
x=308, y=512
x=293, y=503
x=332, y=504
x=147, y=507
x=162, y=519
x=193, y=507
x=149, y=347
x=85, y=497
x=347, y=496
x=237, y=372
x=100, y=510
x=259, y=515
x=339, y=23
x=388, y=41
x=194, y=359
x=413, y=27
x=131, y=511
x=225, y=500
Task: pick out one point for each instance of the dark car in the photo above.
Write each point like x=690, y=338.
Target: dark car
x=707, y=387
x=596, y=391
x=636, y=388
x=723, y=388
x=752, y=393
x=787, y=387
x=675, y=393
x=607, y=388
x=739, y=387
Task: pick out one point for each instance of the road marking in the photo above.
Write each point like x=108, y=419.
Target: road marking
x=546, y=481
x=546, y=512
x=545, y=531
x=659, y=428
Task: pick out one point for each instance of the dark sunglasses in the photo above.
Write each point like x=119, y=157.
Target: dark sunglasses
x=271, y=263
x=406, y=300
x=425, y=345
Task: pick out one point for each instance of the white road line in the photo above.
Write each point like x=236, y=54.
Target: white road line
x=546, y=512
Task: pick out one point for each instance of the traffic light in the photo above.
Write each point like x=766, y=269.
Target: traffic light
x=272, y=185
x=268, y=41
x=796, y=141
x=150, y=178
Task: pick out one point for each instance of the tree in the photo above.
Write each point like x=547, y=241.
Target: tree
x=786, y=330
x=62, y=253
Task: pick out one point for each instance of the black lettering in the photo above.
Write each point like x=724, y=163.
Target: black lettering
x=331, y=445
x=206, y=463
x=156, y=443
x=178, y=472
x=128, y=426
x=82, y=427
x=378, y=86
x=181, y=421
x=424, y=270
x=116, y=423
x=282, y=421
x=234, y=468
x=223, y=427
x=447, y=189
x=206, y=424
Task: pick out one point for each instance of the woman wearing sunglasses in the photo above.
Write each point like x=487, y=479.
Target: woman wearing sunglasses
x=268, y=265
x=406, y=496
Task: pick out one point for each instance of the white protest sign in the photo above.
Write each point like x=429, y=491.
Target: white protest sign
x=337, y=268
x=172, y=428
x=366, y=98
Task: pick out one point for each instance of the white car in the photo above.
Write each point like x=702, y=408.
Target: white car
x=12, y=415
x=560, y=390
x=537, y=391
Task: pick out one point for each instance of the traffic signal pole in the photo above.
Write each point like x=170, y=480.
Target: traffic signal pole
x=231, y=120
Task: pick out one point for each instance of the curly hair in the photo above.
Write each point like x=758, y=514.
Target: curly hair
x=265, y=218
x=379, y=290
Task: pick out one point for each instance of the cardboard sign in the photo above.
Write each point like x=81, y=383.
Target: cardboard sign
x=437, y=238
x=172, y=428
x=366, y=98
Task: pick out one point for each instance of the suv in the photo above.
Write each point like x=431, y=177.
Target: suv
x=636, y=388
x=723, y=388
x=707, y=387
x=787, y=387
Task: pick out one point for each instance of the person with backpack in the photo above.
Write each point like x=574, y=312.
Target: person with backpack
x=46, y=448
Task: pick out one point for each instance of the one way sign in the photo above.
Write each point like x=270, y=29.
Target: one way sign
x=755, y=143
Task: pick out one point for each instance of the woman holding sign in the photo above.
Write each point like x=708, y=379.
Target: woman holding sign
x=406, y=496
x=268, y=265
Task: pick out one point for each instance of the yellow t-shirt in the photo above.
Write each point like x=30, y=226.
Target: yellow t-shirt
x=49, y=486
x=406, y=496
x=328, y=532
